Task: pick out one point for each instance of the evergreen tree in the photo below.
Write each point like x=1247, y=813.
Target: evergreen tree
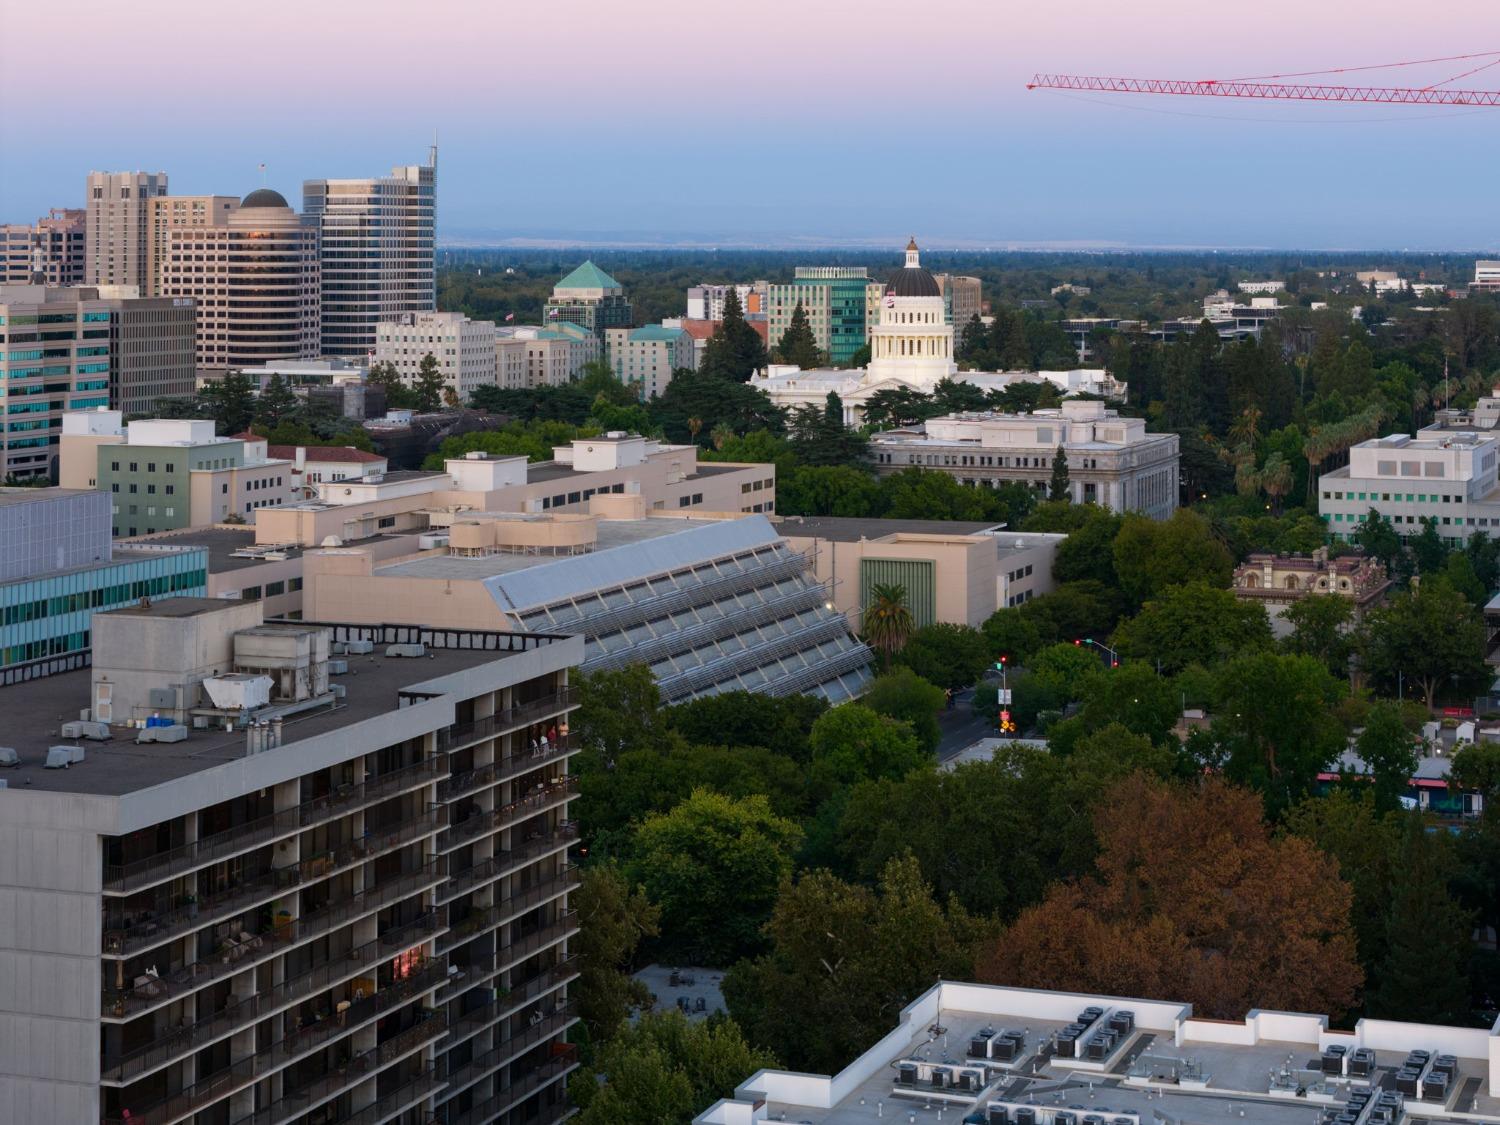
x=276, y=402
x=1424, y=975
x=819, y=437
x=398, y=396
x=428, y=388
x=798, y=344
x=1015, y=354
x=735, y=351
x=229, y=402
x=1058, y=489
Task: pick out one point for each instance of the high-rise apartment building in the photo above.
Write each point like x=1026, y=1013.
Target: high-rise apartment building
x=645, y=359
x=117, y=235
x=177, y=212
x=706, y=302
x=842, y=305
x=591, y=299
x=464, y=348
x=307, y=894
x=255, y=278
x=961, y=299
x=78, y=349
x=47, y=252
x=378, y=238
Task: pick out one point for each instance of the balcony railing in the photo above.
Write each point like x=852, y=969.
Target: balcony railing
x=460, y=735
x=479, y=820
x=544, y=1075
x=469, y=877
x=125, y=878
x=566, y=925
x=507, y=767
x=520, y=993
x=509, y=906
x=122, y=1004
x=408, y=1093
x=238, y=1013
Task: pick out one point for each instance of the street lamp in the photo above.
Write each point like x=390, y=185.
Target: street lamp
x=1114, y=657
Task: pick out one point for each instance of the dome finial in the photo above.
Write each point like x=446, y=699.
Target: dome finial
x=912, y=245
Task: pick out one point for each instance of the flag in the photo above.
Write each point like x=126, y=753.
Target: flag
x=510, y=316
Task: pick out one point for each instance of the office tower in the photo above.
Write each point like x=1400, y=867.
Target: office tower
x=331, y=883
x=177, y=212
x=254, y=277
x=81, y=348
x=591, y=299
x=377, y=252
x=842, y=305
x=47, y=252
x=117, y=239
x=464, y=348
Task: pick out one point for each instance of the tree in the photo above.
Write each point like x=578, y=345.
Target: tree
x=664, y=1070
x=716, y=402
x=619, y=710
x=828, y=490
x=852, y=743
x=398, y=396
x=1195, y=900
x=1275, y=725
x=904, y=695
x=1320, y=629
x=713, y=865
x=1429, y=635
x=1388, y=751
x=779, y=723
x=427, y=390
x=1476, y=769
x=798, y=345
x=1135, y=697
x=887, y=621
x=1150, y=555
x=1193, y=624
x=1424, y=975
x=844, y=960
x=735, y=351
x=229, y=402
x=276, y=402
x=1058, y=490
x=1011, y=634
x=615, y=919
x=950, y=656
x=819, y=437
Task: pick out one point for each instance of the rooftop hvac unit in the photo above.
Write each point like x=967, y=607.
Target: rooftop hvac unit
x=431, y=542
x=172, y=732
x=9, y=757
x=1065, y=1117
x=339, y=690
x=98, y=732
x=979, y=1045
x=906, y=1073
x=61, y=757
x=239, y=691
x=999, y=1115
x=359, y=647
x=338, y=667
x=4, y=784
x=406, y=650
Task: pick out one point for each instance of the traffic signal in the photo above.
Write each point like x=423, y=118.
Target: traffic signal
x=1000, y=664
x=1088, y=640
x=1077, y=641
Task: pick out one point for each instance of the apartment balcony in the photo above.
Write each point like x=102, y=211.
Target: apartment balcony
x=149, y=992
x=466, y=879
x=117, y=1070
x=557, y=793
x=158, y=929
x=565, y=926
x=488, y=917
x=461, y=735
x=507, y=767
x=517, y=996
x=131, y=877
x=403, y=1097
x=491, y=1108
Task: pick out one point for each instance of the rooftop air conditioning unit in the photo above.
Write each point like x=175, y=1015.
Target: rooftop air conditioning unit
x=61, y=757
x=414, y=650
x=8, y=756
x=360, y=647
x=339, y=691
x=99, y=732
x=174, y=732
x=338, y=667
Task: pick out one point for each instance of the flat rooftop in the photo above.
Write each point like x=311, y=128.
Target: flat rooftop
x=15, y=497
x=222, y=543
x=37, y=709
x=842, y=529
x=612, y=533
x=1221, y=1071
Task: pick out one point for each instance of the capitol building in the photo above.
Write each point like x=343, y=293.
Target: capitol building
x=911, y=347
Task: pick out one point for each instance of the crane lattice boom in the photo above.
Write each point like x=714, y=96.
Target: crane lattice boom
x=1211, y=88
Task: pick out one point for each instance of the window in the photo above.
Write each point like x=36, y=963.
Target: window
x=1434, y=469
x=386, y=521
x=275, y=588
x=134, y=467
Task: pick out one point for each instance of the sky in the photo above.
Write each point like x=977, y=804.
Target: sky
x=772, y=122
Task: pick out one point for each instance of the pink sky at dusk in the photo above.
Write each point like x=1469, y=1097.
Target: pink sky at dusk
x=760, y=115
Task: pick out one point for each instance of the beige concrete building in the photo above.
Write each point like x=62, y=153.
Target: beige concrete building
x=117, y=227
x=963, y=299
x=255, y=280
x=510, y=363
x=47, y=252
x=464, y=349
x=645, y=359
x=553, y=356
x=170, y=213
x=954, y=572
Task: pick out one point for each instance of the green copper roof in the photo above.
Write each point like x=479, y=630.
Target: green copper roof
x=656, y=332
x=588, y=276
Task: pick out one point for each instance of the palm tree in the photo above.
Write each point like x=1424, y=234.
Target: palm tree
x=888, y=621
x=1276, y=479
x=720, y=434
x=694, y=425
x=1246, y=428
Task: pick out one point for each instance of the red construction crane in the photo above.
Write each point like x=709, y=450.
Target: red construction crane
x=1437, y=93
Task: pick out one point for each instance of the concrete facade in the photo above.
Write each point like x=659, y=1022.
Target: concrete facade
x=591, y=299
x=645, y=359
x=117, y=227
x=47, y=252
x=464, y=349
x=180, y=214
x=1449, y=477
x=842, y=305
x=528, y=356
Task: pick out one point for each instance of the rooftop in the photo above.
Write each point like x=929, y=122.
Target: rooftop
x=15, y=497
x=588, y=276
x=120, y=766
x=850, y=530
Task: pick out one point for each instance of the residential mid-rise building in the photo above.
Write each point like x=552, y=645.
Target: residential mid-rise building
x=164, y=474
x=47, y=252
x=318, y=871
x=706, y=302
x=1112, y=460
x=1446, y=476
x=842, y=304
x=1023, y=1056
x=1486, y=276
x=169, y=213
x=78, y=349
x=58, y=566
x=645, y=359
x=117, y=227
x=464, y=349
x=544, y=357
x=963, y=299
x=591, y=299
x=377, y=252
x=255, y=280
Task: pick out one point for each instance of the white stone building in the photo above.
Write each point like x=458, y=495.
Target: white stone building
x=464, y=348
x=1442, y=475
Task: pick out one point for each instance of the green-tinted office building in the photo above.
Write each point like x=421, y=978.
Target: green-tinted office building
x=841, y=302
